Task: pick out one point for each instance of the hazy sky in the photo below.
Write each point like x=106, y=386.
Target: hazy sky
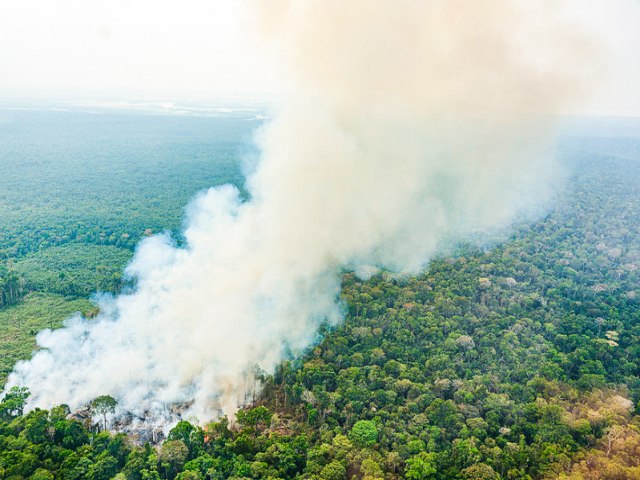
x=204, y=49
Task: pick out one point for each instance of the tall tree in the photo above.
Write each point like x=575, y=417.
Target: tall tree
x=102, y=405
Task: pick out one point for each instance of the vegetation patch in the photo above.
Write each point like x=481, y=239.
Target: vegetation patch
x=74, y=269
x=19, y=325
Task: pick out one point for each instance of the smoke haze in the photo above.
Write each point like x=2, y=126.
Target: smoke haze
x=407, y=126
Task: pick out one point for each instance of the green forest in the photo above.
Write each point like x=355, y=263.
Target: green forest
x=518, y=361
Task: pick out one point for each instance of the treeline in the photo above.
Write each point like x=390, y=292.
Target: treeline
x=40, y=238
x=260, y=444
x=74, y=270
x=12, y=287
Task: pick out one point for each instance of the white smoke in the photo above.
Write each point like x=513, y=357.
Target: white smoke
x=407, y=126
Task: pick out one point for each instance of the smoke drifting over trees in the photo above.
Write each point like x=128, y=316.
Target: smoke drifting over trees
x=407, y=126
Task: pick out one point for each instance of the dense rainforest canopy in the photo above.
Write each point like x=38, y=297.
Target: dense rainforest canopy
x=519, y=360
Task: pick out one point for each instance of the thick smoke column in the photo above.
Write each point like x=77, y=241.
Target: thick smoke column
x=407, y=126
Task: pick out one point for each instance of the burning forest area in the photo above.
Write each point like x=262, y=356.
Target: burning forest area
x=320, y=240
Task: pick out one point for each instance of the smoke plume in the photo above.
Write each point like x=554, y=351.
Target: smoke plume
x=407, y=126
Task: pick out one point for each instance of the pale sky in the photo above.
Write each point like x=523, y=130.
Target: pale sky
x=204, y=49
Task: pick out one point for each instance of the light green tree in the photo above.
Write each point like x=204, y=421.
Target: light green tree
x=364, y=433
x=421, y=467
x=103, y=405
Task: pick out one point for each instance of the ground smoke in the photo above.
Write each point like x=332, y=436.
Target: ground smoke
x=407, y=126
